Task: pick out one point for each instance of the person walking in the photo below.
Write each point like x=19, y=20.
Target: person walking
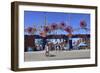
x=47, y=49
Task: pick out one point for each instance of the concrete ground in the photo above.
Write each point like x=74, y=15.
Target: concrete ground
x=57, y=55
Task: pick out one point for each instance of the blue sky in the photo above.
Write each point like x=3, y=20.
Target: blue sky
x=34, y=18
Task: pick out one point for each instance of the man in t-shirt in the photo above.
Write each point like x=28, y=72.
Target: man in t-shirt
x=47, y=49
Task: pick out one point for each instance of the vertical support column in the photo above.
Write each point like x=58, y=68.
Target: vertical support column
x=44, y=42
x=70, y=44
x=66, y=43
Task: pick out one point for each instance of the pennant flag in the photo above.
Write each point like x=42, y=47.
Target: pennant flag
x=83, y=24
x=53, y=26
x=30, y=30
x=43, y=34
x=46, y=29
x=62, y=25
x=68, y=29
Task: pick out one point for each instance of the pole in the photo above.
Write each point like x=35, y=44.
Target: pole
x=70, y=35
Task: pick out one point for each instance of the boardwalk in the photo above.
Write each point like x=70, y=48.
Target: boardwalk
x=57, y=55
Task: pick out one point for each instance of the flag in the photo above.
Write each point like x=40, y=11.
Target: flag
x=30, y=30
x=46, y=29
x=83, y=24
x=62, y=25
x=68, y=29
x=53, y=26
x=43, y=34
